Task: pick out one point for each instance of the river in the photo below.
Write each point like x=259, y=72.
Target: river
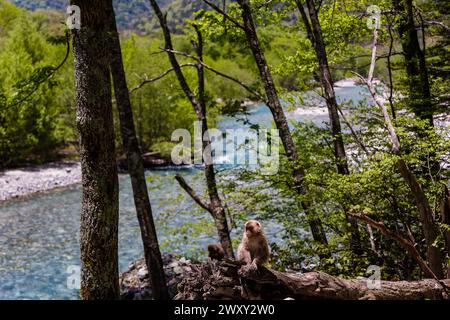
x=39, y=234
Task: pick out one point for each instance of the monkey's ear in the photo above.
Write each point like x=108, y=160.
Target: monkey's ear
x=258, y=223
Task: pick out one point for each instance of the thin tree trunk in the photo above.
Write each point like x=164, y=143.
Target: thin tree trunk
x=430, y=230
x=218, y=209
x=416, y=69
x=100, y=210
x=279, y=117
x=215, y=207
x=419, y=93
x=139, y=125
x=136, y=168
x=445, y=219
x=314, y=32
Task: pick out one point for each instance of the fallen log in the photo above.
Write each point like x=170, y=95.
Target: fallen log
x=226, y=280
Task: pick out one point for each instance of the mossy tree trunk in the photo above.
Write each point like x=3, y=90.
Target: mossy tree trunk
x=100, y=204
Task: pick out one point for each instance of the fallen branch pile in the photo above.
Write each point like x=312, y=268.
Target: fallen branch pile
x=215, y=280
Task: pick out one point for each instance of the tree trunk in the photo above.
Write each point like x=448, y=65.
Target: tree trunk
x=225, y=280
x=215, y=207
x=416, y=69
x=279, y=117
x=100, y=212
x=136, y=168
x=430, y=230
x=445, y=219
x=419, y=94
x=314, y=32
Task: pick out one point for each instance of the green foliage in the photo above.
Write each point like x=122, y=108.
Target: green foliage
x=29, y=124
x=374, y=188
x=37, y=117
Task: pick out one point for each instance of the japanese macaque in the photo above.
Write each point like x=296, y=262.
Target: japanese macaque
x=254, y=249
x=215, y=251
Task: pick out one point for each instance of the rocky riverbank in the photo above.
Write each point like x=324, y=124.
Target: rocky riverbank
x=25, y=181
x=135, y=282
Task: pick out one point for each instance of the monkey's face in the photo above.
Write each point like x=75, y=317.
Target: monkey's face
x=252, y=228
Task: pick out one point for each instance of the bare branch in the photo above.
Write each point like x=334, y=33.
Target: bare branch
x=162, y=75
x=246, y=87
x=372, y=239
x=378, y=100
x=374, y=56
x=353, y=132
x=180, y=53
x=224, y=14
x=387, y=119
x=219, y=73
x=437, y=23
x=41, y=81
x=408, y=245
x=192, y=193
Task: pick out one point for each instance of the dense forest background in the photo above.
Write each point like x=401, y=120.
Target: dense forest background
x=33, y=41
x=37, y=40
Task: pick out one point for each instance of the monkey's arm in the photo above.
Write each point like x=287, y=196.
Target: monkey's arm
x=243, y=254
x=262, y=255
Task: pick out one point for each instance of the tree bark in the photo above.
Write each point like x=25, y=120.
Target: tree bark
x=135, y=167
x=430, y=230
x=100, y=212
x=279, y=117
x=445, y=219
x=315, y=35
x=416, y=68
x=225, y=280
x=215, y=206
x=409, y=245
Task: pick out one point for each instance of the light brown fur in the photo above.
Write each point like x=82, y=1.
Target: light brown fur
x=254, y=249
x=215, y=251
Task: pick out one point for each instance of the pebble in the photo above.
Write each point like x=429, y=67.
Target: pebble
x=142, y=273
x=187, y=269
x=178, y=270
x=24, y=181
x=183, y=260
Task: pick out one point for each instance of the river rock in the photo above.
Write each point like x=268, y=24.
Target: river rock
x=135, y=282
x=142, y=273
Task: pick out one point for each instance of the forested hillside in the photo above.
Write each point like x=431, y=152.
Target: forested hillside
x=131, y=14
